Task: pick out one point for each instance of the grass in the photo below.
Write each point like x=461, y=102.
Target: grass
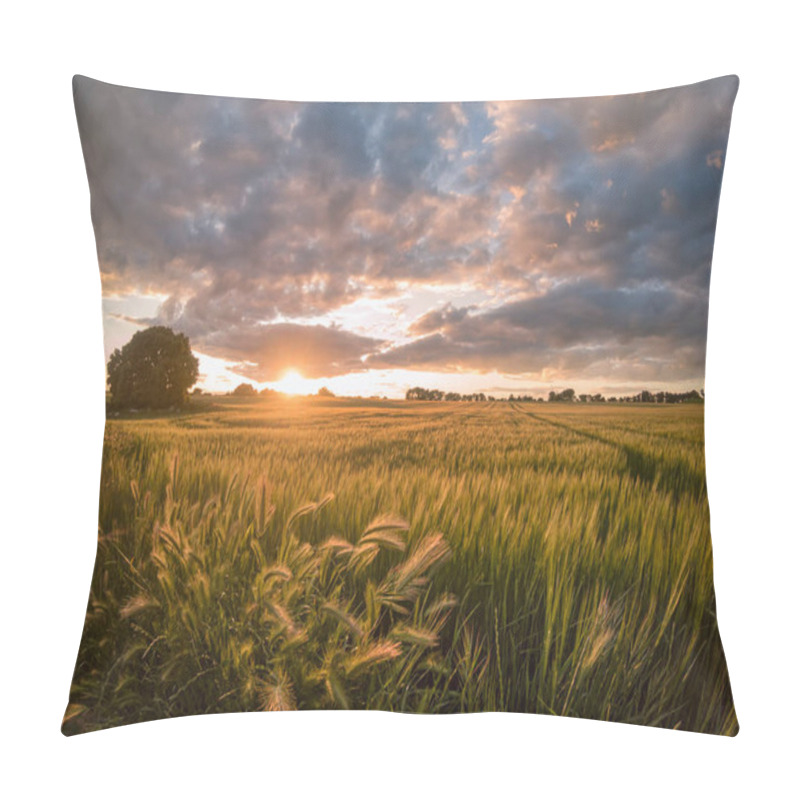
x=426, y=557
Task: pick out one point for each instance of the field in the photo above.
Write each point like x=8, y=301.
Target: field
x=412, y=556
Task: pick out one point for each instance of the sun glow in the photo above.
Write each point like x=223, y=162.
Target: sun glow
x=293, y=382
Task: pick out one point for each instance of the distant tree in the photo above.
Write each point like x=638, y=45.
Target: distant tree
x=197, y=391
x=325, y=392
x=567, y=396
x=418, y=393
x=244, y=390
x=155, y=369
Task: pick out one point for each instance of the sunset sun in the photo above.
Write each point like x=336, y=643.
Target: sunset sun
x=294, y=383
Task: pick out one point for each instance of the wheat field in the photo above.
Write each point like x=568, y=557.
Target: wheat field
x=267, y=554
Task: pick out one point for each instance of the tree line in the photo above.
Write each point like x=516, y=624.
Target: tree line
x=564, y=396
x=248, y=390
x=418, y=393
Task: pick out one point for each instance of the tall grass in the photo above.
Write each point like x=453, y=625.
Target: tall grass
x=416, y=557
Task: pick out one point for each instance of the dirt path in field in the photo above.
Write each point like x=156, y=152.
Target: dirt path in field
x=675, y=474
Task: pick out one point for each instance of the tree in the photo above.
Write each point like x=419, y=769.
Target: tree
x=155, y=369
x=324, y=391
x=567, y=396
x=244, y=390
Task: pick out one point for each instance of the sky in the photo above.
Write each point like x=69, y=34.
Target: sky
x=498, y=247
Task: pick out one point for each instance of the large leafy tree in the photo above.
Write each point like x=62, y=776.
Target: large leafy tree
x=155, y=369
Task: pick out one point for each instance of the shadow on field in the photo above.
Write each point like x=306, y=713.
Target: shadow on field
x=676, y=475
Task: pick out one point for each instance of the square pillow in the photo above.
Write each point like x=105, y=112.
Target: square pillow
x=405, y=407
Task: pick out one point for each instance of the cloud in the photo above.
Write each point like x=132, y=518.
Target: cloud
x=591, y=216
x=265, y=353
x=445, y=317
x=575, y=330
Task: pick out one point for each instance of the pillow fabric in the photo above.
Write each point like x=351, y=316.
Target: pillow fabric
x=405, y=407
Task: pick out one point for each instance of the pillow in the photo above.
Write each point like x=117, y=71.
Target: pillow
x=405, y=407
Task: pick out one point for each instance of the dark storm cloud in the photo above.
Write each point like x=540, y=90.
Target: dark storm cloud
x=593, y=221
